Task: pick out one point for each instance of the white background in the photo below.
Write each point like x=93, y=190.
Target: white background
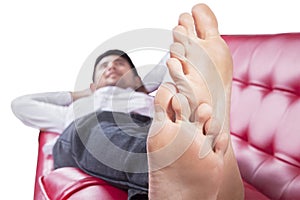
x=44, y=43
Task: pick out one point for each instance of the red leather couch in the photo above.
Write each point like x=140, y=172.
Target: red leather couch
x=265, y=126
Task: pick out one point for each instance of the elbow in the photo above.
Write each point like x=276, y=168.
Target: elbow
x=16, y=107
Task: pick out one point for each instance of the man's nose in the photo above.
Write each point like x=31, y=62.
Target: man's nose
x=110, y=66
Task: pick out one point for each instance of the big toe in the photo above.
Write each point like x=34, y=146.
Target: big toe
x=205, y=21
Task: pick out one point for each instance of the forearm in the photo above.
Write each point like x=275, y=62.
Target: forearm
x=45, y=111
x=80, y=94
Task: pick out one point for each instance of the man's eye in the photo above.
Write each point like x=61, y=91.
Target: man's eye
x=104, y=65
x=120, y=63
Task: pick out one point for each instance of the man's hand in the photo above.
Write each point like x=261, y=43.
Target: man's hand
x=82, y=93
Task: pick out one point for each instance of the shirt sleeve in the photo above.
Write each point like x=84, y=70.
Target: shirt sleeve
x=44, y=111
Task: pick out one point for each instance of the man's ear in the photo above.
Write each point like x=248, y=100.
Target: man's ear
x=93, y=87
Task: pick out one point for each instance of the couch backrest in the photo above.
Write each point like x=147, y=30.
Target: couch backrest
x=265, y=112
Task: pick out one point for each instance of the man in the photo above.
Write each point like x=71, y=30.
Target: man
x=183, y=121
x=59, y=107
x=116, y=94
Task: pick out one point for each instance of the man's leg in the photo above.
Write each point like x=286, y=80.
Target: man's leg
x=100, y=144
x=197, y=47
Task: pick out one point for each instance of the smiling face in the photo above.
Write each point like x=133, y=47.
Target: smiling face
x=114, y=70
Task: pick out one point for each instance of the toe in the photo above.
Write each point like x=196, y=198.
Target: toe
x=205, y=21
x=186, y=20
x=181, y=107
x=202, y=115
x=176, y=71
x=205, y=120
x=180, y=35
x=177, y=51
x=163, y=100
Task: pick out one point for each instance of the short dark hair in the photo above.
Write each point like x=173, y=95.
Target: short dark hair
x=118, y=53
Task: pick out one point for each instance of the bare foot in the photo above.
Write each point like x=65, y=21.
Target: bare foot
x=204, y=74
x=174, y=142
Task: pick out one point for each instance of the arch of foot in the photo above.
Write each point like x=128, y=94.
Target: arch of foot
x=265, y=111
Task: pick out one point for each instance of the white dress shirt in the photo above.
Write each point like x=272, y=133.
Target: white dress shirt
x=54, y=111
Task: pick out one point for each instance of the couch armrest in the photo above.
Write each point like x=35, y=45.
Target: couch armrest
x=44, y=161
x=71, y=183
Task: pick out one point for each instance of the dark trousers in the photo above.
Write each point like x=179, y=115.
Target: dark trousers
x=110, y=146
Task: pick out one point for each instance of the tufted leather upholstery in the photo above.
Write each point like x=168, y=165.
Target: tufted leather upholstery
x=265, y=126
x=44, y=163
x=265, y=112
x=68, y=183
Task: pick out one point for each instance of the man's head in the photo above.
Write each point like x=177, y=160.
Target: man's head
x=115, y=68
